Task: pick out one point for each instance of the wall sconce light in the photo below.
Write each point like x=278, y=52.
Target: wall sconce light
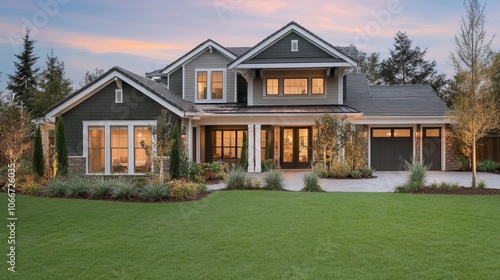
x=183, y=132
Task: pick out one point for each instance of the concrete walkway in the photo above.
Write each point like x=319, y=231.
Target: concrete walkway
x=386, y=181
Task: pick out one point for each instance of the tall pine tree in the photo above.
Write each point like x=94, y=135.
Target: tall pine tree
x=407, y=66
x=23, y=83
x=54, y=86
x=175, y=156
x=61, y=151
x=38, y=159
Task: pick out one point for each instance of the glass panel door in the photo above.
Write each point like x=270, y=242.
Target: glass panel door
x=303, y=145
x=288, y=145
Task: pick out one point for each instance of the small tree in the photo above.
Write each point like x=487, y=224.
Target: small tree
x=356, y=145
x=329, y=138
x=475, y=112
x=61, y=151
x=38, y=159
x=162, y=134
x=175, y=156
x=15, y=130
x=243, y=163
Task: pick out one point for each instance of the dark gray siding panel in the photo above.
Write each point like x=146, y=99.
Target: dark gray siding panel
x=282, y=49
x=102, y=106
x=175, y=81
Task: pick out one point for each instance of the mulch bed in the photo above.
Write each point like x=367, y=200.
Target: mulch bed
x=460, y=191
x=136, y=199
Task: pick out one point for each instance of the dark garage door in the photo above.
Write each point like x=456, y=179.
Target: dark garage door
x=390, y=147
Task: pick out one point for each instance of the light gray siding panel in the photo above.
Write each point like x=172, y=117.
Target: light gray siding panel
x=282, y=49
x=175, y=81
x=208, y=60
x=260, y=99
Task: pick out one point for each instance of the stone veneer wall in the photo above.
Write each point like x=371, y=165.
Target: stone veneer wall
x=452, y=162
x=418, y=145
x=76, y=165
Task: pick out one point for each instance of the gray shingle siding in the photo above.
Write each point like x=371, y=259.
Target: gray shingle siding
x=282, y=49
x=406, y=100
x=175, y=82
x=101, y=107
x=207, y=60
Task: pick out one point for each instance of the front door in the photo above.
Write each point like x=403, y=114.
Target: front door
x=296, y=147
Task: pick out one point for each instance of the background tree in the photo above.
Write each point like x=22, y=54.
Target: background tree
x=407, y=66
x=15, y=130
x=38, y=159
x=23, y=83
x=370, y=66
x=54, y=86
x=475, y=112
x=91, y=76
x=162, y=134
x=175, y=156
x=61, y=151
x=495, y=77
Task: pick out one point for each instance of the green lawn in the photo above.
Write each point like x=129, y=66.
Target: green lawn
x=259, y=235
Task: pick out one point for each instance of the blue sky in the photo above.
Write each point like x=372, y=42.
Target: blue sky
x=145, y=35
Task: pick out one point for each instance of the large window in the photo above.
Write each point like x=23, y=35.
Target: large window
x=209, y=85
x=294, y=86
x=96, y=149
x=119, y=149
x=318, y=85
x=272, y=86
x=226, y=144
x=142, y=161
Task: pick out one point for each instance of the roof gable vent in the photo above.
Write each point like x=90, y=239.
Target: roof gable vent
x=295, y=45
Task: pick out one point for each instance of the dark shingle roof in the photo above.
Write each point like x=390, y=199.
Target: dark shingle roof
x=154, y=87
x=404, y=100
x=237, y=51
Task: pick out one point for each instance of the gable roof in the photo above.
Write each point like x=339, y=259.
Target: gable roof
x=403, y=100
x=238, y=50
x=192, y=54
x=156, y=91
x=293, y=26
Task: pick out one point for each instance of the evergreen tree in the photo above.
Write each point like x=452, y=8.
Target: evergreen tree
x=91, y=76
x=243, y=163
x=38, y=159
x=407, y=66
x=175, y=156
x=54, y=86
x=370, y=66
x=61, y=152
x=23, y=83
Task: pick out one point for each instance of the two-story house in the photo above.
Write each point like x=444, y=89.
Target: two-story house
x=274, y=90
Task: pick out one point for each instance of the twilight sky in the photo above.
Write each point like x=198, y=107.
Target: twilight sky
x=145, y=35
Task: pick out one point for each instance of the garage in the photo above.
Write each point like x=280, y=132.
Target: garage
x=390, y=147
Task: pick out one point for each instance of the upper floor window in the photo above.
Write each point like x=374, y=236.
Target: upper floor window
x=210, y=85
x=272, y=86
x=318, y=86
x=295, y=86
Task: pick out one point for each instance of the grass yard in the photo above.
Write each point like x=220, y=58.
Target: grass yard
x=259, y=235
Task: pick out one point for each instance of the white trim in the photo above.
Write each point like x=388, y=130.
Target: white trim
x=77, y=99
x=258, y=148
x=282, y=33
x=183, y=82
x=189, y=136
x=197, y=51
x=402, y=120
x=340, y=77
x=292, y=65
x=209, y=85
x=442, y=129
x=235, y=87
x=294, y=45
x=168, y=81
x=107, y=143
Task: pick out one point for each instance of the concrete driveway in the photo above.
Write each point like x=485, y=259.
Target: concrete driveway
x=386, y=181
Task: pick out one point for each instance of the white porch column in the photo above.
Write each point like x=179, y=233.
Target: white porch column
x=197, y=143
x=340, y=75
x=251, y=142
x=258, y=144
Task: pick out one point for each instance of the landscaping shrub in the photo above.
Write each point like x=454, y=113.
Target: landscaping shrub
x=181, y=190
x=340, y=170
x=235, y=179
x=124, y=189
x=487, y=165
x=38, y=163
x=200, y=188
x=464, y=163
x=367, y=172
x=78, y=187
x=311, y=183
x=482, y=184
x=31, y=189
x=356, y=174
x=154, y=192
x=196, y=170
x=56, y=188
x=418, y=172
x=268, y=165
x=25, y=167
x=252, y=183
x=101, y=187
x=273, y=180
